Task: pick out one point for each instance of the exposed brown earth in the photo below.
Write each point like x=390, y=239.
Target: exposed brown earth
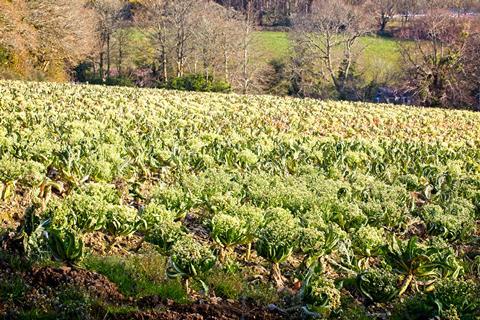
x=41, y=283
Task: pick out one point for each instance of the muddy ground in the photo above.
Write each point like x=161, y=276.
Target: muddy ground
x=41, y=284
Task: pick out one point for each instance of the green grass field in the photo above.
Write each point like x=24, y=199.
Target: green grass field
x=272, y=44
x=379, y=56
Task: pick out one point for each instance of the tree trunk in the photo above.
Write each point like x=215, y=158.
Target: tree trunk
x=164, y=65
x=120, y=59
x=245, y=70
x=108, y=56
x=94, y=66
x=225, y=57
x=100, y=69
x=179, y=66
x=383, y=23
x=245, y=56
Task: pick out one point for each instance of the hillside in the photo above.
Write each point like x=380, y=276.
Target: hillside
x=121, y=203
x=379, y=57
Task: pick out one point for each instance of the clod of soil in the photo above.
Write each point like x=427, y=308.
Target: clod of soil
x=95, y=283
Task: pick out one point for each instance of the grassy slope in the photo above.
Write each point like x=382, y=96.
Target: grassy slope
x=271, y=44
x=379, y=56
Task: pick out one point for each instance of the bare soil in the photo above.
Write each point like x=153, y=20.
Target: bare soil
x=42, y=282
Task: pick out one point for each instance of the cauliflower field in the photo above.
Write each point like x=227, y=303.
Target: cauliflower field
x=321, y=209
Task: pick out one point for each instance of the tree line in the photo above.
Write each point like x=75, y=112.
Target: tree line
x=438, y=50
x=283, y=12
x=210, y=45
x=101, y=40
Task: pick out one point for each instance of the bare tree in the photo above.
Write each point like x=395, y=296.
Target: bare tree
x=121, y=37
x=46, y=37
x=109, y=14
x=207, y=36
x=472, y=70
x=271, y=12
x=54, y=34
x=246, y=43
x=435, y=61
x=408, y=8
x=192, y=36
x=182, y=14
x=330, y=34
x=216, y=37
x=16, y=36
x=229, y=39
x=154, y=19
x=384, y=11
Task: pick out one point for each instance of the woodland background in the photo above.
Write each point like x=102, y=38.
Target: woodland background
x=410, y=51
